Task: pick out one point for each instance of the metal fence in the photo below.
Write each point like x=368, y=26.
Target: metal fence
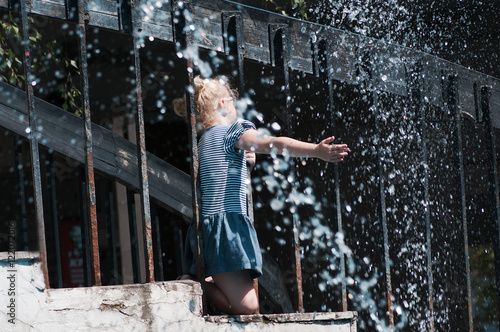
x=434, y=97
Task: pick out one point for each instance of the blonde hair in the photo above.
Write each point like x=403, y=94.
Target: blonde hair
x=207, y=92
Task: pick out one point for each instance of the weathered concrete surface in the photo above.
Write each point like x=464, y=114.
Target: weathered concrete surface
x=25, y=305
x=304, y=322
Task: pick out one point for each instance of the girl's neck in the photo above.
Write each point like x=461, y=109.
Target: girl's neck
x=224, y=120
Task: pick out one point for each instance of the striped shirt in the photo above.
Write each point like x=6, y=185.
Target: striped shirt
x=223, y=169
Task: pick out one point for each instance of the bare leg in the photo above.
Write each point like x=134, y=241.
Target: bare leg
x=233, y=293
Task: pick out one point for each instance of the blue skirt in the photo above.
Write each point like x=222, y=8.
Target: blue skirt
x=230, y=244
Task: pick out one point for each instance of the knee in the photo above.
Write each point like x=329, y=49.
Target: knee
x=249, y=306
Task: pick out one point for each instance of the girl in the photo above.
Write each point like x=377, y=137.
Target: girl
x=231, y=251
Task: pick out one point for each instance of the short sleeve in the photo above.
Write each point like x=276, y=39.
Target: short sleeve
x=234, y=133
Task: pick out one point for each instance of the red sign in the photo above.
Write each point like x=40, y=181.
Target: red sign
x=70, y=237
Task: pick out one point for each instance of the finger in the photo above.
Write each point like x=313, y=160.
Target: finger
x=328, y=140
x=339, y=148
x=337, y=154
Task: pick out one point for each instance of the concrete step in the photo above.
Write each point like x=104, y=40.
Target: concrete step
x=293, y=322
x=158, y=306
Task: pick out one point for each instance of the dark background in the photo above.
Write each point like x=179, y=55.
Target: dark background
x=466, y=32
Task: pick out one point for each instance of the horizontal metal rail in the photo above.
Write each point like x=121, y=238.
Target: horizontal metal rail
x=346, y=48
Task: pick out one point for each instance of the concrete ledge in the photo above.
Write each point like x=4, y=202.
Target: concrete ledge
x=25, y=305
x=300, y=322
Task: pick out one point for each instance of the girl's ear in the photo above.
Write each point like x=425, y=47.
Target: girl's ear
x=221, y=107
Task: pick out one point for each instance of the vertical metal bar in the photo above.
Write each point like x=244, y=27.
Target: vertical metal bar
x=382, y=207
x=414, y=81
x=184, y=40
x=141, y=152
x=234, y=46
x=111, y=230
x=193, y=135
x=134, y=237
x=51, y=188
x=452, y=103
x=493, y=181
x=324, y=67
x=280, y=58
x=22, y=239
x=33, y=138
x=296, y=221
x=338, y=206
x=83, y=17
x=158, y=254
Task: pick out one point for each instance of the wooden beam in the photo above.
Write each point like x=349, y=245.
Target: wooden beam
x=113, y=155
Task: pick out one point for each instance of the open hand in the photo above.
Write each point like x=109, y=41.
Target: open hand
x=332, y=153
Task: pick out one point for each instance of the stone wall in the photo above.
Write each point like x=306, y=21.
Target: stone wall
x=25, y=305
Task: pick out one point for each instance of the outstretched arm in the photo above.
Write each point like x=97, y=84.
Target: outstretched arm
x=252, y=140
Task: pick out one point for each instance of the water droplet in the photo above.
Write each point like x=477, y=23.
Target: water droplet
x=276, y=204
x=276, y=126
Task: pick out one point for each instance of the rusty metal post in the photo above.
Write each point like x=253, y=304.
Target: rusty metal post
x=33, y=136
x=141, y=150
x=184, y=40
x=451, y=101
x=414, y=83
x=83, y=18
x=324, y=68
x=193, y=136
x=382, y=208
x=278, y=37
